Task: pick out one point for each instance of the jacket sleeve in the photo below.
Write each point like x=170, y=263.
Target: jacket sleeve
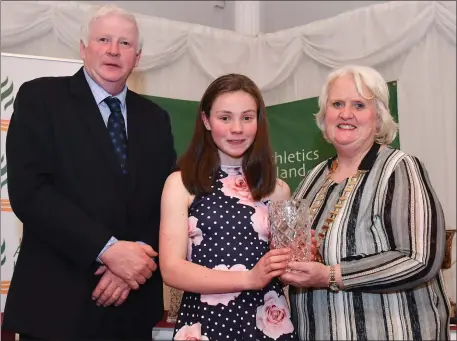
x=46, y=213
x=413, y=226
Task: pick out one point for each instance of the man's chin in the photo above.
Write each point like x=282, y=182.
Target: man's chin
x=111, y=75
x=111, y=78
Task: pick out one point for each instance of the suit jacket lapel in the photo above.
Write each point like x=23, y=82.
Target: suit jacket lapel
x=87, y=109
x=134, y=128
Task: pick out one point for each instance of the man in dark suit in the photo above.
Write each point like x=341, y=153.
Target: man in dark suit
x=87, y=161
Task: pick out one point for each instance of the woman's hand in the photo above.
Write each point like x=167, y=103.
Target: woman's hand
x=307, y=275
x=271, y=265
x=314, y=248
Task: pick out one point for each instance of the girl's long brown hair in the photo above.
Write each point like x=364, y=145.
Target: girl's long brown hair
x=200, y=162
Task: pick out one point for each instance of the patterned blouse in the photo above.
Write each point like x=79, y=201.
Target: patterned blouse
x=389, y=238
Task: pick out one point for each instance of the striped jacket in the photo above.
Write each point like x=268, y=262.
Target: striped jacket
x=389, y=238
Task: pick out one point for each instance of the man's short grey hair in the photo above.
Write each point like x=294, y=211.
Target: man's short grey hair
x=386, y=127
x=105, y=10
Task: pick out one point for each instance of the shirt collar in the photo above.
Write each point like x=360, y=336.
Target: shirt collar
x=100, y=94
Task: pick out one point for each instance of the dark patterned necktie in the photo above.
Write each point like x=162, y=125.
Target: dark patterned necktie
x=116, y=129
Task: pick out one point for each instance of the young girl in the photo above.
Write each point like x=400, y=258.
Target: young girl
x=214, y=231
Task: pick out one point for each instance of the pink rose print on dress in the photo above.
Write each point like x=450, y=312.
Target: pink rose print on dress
x=261, y=222
x=192, y=332
x=236, y=186
x=195, y=236
x=273, y=318
x=215, y=299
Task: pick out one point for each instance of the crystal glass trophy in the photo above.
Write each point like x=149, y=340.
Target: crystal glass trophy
x=290, y=227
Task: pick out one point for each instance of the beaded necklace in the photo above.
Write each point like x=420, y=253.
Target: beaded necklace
x=320, y=197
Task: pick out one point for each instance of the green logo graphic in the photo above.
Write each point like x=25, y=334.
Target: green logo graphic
x=4, y=179
x=7, y=96
x=2, y=251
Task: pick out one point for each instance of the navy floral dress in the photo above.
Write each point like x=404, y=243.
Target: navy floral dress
x=228, y=231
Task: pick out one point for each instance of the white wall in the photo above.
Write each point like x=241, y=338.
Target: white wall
x=280, y=15
x=274, y=16
x=196, y=12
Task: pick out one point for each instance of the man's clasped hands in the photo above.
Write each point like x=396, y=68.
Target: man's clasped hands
x=126, y=265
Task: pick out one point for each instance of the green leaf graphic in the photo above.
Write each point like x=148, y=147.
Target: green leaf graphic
x=3, y=172
x=2, y=251
x=4, y=82
x=11, y=101
x=6, y=93
x=3, y=169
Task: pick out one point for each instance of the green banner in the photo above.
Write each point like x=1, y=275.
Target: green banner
x=297, y=142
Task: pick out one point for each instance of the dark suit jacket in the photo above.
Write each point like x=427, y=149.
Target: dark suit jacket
x=65, y=185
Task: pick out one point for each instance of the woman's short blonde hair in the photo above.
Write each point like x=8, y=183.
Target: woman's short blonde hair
x=386, y=127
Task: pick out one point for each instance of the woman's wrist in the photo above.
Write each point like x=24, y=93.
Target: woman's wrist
x=338, y=276
x=332, y=277
x=248, y=280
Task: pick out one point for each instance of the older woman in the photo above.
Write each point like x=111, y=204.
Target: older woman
x=379, y=227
